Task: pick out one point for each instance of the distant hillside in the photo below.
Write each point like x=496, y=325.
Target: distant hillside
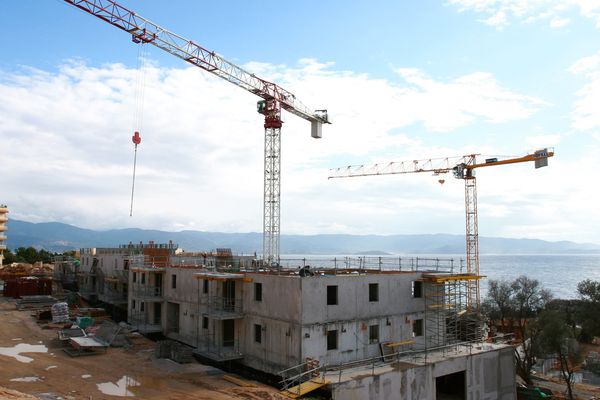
x=55, y=236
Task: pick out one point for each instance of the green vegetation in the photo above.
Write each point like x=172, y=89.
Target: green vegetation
x=31, y=255
x=544, y=327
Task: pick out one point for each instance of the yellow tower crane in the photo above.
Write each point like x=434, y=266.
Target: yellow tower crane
x=462, y=167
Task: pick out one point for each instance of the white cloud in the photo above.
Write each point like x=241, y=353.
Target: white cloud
x=501, y=12
x=69, y=156
x=558, y=22
x=585, y=113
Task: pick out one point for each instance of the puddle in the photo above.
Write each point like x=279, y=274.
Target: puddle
x=27, y=379
x=50, y=367
x=85, y=376
x=120, y=388
x=23, y=348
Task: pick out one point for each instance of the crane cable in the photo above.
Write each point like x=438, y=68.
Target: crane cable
x=138, y=114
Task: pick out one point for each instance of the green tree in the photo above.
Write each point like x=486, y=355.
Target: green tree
x=528, y=300
x=558, y=338
x=519, y=302
x=9, y=257
x=31, y=255
x=498, y=303
x=589, y=293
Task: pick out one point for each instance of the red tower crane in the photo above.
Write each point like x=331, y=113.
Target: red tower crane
x=275, y=98
x=462, y=168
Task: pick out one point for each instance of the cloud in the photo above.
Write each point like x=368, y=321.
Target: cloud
x=585, y=114
x=200, y=165
x=501, y=12
x=463, y=100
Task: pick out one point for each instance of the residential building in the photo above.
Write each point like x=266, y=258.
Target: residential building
x=340, y=318
x=3, y=228
x=104, y=272
x=366, y=326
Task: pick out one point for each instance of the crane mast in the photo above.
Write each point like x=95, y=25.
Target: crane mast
x=275, y=98
x=462, y=167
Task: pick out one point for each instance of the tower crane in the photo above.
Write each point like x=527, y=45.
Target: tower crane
x=274, y=99
x=462, y=167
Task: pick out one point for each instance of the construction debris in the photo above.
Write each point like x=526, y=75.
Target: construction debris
x=60, y=312
x=35, y=302
x=175, y=351
x=23, y=269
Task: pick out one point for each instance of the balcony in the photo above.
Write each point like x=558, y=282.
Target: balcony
x=113, y=296
x=146, y=292
x=223, y=307
x=143, y=325
x=118, y=276
x=212, y=351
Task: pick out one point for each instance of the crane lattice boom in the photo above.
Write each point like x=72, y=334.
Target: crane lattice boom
x=143, y=30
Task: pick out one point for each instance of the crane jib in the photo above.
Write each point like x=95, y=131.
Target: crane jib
x=145, y=31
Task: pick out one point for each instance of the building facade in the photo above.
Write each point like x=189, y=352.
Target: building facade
x=3, y=229
x=343, y=319
x=103, y=273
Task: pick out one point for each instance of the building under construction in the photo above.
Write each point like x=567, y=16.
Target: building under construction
x=352, y=325
x=3, y=221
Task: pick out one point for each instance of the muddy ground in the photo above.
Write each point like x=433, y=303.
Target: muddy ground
x=55, y=375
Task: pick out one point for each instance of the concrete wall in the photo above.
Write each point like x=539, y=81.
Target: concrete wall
x=279, y=316
x=489, y=375
x=185, y=294
x=394, y=313
x=400, y=384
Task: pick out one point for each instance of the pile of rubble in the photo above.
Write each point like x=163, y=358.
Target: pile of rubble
x=37, y=268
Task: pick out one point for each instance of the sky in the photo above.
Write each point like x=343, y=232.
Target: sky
x=401, y=80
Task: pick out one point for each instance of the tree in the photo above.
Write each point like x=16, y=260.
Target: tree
x=497, y=305
x=558, y=338
x=9, y=257
x=528, y=299
x=519, y=302
x=589, y=292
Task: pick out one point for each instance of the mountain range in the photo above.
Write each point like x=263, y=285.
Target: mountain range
x=58, y=237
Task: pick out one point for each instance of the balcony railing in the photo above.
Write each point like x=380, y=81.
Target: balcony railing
x=113, y=296
x=209, y=349
x=144, y=291
x=140, y=321
x=223, y=307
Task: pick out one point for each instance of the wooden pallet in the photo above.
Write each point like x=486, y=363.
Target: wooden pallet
x=238, y=381
x=304, y=388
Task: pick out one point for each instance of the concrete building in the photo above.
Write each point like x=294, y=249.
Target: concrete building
x=366, y=327
x=66, y=271
x=354, y=323
x=163, y=298
x=104, y=272
x=3, y=228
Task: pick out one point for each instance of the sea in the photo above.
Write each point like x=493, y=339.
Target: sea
x=559, y=273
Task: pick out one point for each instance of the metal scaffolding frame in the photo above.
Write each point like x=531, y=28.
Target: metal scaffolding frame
x=449, y=317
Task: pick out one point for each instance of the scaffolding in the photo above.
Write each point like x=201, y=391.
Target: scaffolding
x=218, y=340
x=449, y=317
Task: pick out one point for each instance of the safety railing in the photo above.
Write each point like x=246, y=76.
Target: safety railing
x=222, y=305
x=146, y=291
x=343, y=264
x=419, y=356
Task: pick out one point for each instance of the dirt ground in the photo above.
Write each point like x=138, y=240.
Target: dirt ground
x=60, y=376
